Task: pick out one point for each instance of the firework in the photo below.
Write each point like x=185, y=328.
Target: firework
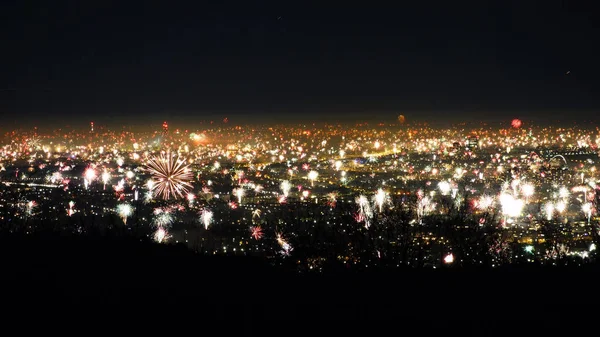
x=256, y=232
x=240, y=175
x=191, y=197
x=515, y=185
x=161, y=235
x=163, y=219
x=130, y=175
x=56, y=177
x=337, y=165
x=312, y=176
x=380, y=199
x=528, y=190
x=444, y=187
x=171, y=176
x=30, y=206
x=206, y=217
x=563, y=192
x=120, y=186
x=286, y=248
x=557, y=251
x=549, y=210
x=70, y=211
x=485, y=202
x=124, y=210
x=305, y=194
x=332, y=199
x=587, y=210
x=448, y=259
x=239, y=193
x=561, y=206
x=516, y=123
x=500, y=250
x=285, y=187
x=511, y=207
x=424, y=205
x=89, y=176
x=364, y=210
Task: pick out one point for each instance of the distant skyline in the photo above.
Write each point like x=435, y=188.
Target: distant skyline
x=71, y=62
x=183, y=123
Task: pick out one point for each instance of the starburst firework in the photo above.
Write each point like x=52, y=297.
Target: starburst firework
x=171, y=177
x=256, y=232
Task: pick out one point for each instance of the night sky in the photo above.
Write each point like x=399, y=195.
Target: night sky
x=144, y=62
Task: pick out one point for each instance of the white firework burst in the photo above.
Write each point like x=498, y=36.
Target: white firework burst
x=365, y=213
x=171, y=177
x=206, y=216
x=380, y=198
x=125, y=211
x=161, y=235
x=163, y=219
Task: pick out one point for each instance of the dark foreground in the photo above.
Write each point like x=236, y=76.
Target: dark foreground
x=118, y=275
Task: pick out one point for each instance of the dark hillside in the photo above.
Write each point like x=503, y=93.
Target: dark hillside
x=88, y=273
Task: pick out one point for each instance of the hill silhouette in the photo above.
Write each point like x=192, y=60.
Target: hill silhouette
x=128, y=273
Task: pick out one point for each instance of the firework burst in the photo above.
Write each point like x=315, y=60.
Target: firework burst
x=30, y=207
x=105, y=178
x=161, y=235
x=239, y=193
x=171, y=176
x=206, y=217
x=365, y=213
x=286, y=248
x=256, y=215
x=256, y=232
x=332, y=199
x=163, y=220
x=484, y=203
x=380, y=199
x=89, y=175
x=125, y=211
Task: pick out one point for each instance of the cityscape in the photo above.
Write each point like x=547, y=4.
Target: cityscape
x=317, y=198
x=280, y=165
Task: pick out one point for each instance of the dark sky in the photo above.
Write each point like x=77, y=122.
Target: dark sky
x=132, y=62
